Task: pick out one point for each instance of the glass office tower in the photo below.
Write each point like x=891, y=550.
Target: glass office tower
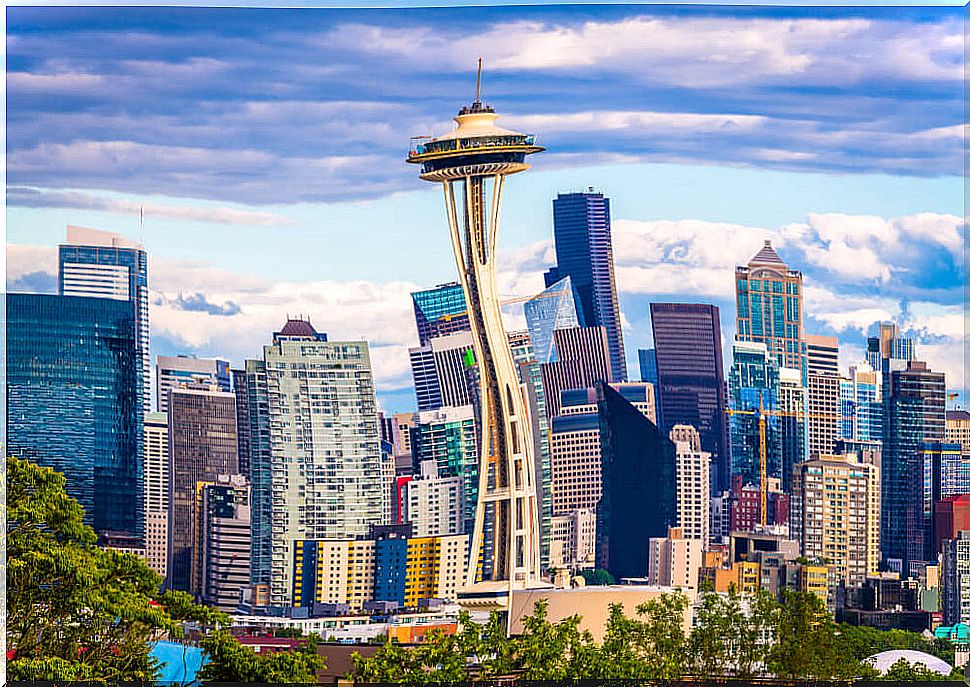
x=555, y=308
x=690, y=376
x=440, y=311
x=584, y=252
x=74, y=400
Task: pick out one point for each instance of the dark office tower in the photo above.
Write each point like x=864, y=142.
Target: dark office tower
x=440, y=311
x=240, y=389
x=584, y=252
x=916, y=412
x=769, y=298
x=105, y=265
x=220, y=570
x=584, y=359
x=639, y=485
x=202, y=445
x=74, y=389
x=690, y=378
x=648, y=365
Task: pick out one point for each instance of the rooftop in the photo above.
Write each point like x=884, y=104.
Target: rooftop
x=767, y=256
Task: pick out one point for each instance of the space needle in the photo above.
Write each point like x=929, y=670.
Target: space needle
x=471, y=163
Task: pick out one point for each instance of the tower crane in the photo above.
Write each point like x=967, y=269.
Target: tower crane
x=762, y=443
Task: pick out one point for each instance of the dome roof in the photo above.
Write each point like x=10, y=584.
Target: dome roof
x=885, y=660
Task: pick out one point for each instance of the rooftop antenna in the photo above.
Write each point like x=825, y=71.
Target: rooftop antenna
x=478, y=83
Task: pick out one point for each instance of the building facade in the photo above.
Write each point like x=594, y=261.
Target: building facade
x=74, y=401
x=173, y=372
x=440, y=311
x=583, y=360
x=555, y=308
x=224, y=536
x=319, y=471
x=675, y=560
x=584, y=252
x=769, y=299
x=202, y=444
x=434, y=505
x=824, y=394
x=693, y=484
x=690, y=377
x=835, y=514
x=156, y=492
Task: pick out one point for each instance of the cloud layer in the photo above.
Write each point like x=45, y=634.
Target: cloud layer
x=284, y=106
x=207, y=310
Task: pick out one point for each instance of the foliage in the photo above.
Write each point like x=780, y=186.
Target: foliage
x=552, y=651
x=597, y=577
x=230, y=661
x=660, y=636
x=904, y=671
x=805, y=643
x=75, y=611
x=862, y=642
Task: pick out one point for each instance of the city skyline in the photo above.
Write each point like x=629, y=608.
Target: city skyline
x=877, y=233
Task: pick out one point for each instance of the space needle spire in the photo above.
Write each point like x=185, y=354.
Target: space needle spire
x=471, y=163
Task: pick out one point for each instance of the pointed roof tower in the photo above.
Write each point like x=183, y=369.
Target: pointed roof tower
x=767, y=257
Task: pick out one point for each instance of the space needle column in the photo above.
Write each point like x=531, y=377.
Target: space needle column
x=472, y=163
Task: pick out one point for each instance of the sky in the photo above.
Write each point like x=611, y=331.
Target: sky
x=267, y=149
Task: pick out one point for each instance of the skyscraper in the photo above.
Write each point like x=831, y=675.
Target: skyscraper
x=434, y=505
x=202, y=445
x=443, y=371
x=648, y=365
x=690, y=377
x=156, y=492
x=769, y=297
x=554, y=308
x=639, y=485
x=105, y=265
x=693, y=484
x=74, y=400
x=584, y=360
x=584, y=252
x=916, y=412
x=316, y=461
x=946, y=474
x=754, y=385
x=172, y=372
x=824, y=393
x=440, y=311
x=860, y=404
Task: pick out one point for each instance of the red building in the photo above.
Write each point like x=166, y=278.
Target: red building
x=950, y=515
x=746, y=506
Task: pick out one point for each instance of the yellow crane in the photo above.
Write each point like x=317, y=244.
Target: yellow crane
x=762, y=443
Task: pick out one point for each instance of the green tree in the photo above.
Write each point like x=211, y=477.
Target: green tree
x=597, y=577
x=552, y=651
x=805, y=644
x=904, y=671
x=862, y=642
x=618, y=657
x=660, y=638
x=230, y=661
x=76, y=611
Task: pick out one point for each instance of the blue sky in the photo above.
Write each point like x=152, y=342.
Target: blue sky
x=267, y=147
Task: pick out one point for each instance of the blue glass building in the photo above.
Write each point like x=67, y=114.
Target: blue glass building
x=648, y=365
x=753, y=382
x=554, y=308
x=106, y=265
x=440, y=311
x=584, y=252
x=74, y=400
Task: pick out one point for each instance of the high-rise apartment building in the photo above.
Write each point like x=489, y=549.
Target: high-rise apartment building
x=693, y=484
x=74, y=401
x=434, y=505
x=769, y=298
x=824, y=393
x=555, y=308
x=224, y=537
x=440, y=311
x=584, y=252
x=202, y=444
x=639, y=485
x=318, y=473
x=675, y=560
x=156, y=492
x=182, y=371
x=690, y=374
x=573, y=540
x=835, y=514
x=584, y=360
x=106, y=265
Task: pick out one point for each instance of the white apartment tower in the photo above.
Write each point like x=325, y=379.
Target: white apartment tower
x=156, y=492
x=693, y=484
x=434, y=505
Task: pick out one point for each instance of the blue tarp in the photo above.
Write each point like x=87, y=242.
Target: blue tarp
x=180, y=663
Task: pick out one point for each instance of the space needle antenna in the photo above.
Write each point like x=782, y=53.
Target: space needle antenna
x=478, y=83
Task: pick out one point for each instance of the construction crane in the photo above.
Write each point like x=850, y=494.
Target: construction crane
x=762, y=443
